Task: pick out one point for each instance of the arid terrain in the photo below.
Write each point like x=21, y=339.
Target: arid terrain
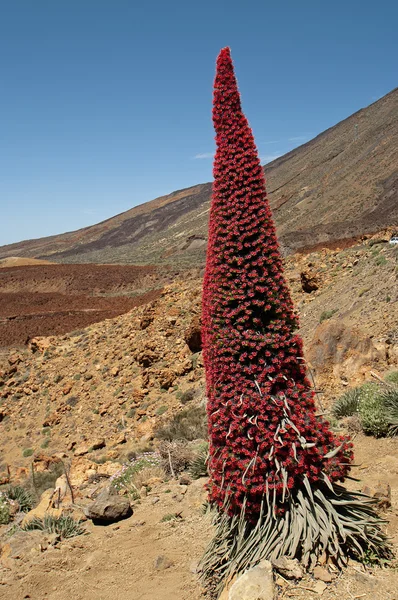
x=339, y=185
x=102, y=392
x=44, y=299
x=96, y=397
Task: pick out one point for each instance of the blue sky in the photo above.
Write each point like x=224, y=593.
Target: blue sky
x=106, y=104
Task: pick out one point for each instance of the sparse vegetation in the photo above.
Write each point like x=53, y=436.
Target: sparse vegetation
x=176, y=456
x=43, y=480
x=328, y=314
x=390, y=401
x=22, y=496
x=137, y=473
x=4, y=510
x=376, y=406
x=64, y=526
x=189, y=424
x=27, y=452
x=392, y=377
x=198, y=465
x=347, y=405
x=170, y=517
x=187, y=396
x=372, y=410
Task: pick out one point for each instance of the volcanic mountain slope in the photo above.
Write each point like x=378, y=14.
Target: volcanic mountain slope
x=341, y=184
x=100, y=397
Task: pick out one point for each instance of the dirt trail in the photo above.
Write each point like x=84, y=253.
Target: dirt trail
x=119, y=561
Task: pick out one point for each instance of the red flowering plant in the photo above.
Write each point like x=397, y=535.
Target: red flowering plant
x=273, y=461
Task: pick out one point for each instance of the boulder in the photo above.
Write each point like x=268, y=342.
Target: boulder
x=108, y=508
x=255, y=584
x=44, y=507
x=309, y=281
x=342, y=351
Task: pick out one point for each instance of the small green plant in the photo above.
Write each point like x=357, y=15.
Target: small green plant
x=372, y=410
x=348, y=404
x=198, y=465
x=22, y=496
x=327, y=314
x=380, y=261
x=376, y=406
x=27, y=452
x=132, y=476
x=4, y=510
x=392, y=377
x=390, y=401
x=64, y=526
x=161, y=410
x=189, y=424
x=170, y=517
x=45, y=444
x=187, y=396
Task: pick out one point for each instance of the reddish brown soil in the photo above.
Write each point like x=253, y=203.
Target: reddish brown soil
x=54, y=299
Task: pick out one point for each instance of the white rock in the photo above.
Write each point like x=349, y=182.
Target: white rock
x=255, y=584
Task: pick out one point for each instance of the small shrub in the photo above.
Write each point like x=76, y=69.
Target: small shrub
x=4, y=511
x=27, y=452
x=327, y=314
x=198, y=465
x=372, y=410
x=72, y=401
x=189, y=424
x=187, y=396
x=392, y=377
x=64, y=526
x=141, y=478
x=132, y=476
x=176, y=456
x=170, y=517
x=380, y=261
x=41, y=481
x=45, y=443
x=347, y=405
x=161, y=410
x=22, y=496
x=390, y=401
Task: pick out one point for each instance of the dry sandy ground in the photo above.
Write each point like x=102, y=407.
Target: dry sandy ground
x=118, y=561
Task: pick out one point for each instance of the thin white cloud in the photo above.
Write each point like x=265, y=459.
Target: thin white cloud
x=298, y=138
x=271, y=142
x=204, y=155
x=267, y=158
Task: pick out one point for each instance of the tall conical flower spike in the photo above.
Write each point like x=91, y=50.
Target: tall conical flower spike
x=267, y=444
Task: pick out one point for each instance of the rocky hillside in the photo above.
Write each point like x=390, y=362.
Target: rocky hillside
x=340, y=185
x=124, y=377
x=101, y=401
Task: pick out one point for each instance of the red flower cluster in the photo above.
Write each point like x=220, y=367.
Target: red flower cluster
x=264, y=432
